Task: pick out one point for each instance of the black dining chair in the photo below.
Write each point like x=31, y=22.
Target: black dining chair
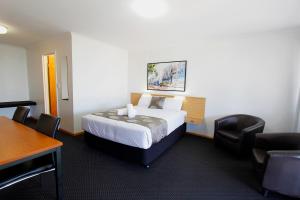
x=47, y=125
x=21, y=114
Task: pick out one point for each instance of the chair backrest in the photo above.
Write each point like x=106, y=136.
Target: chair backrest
x=48, y=125
x=21, y=114
x=245, y=121
x=278, y=141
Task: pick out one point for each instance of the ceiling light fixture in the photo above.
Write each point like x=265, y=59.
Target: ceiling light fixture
x=3, y=29
x=150, y=8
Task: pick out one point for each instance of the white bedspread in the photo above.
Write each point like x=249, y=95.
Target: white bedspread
x=139, y=136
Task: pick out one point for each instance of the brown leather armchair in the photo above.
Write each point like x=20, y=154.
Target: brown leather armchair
x=276, y=159
x=237, y=132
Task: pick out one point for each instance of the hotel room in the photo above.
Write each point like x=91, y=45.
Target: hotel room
x=150, y=99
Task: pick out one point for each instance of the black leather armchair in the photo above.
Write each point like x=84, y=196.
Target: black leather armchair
x=276, y=159
x=237, y=132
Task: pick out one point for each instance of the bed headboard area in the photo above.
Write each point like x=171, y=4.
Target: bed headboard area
x=194, y=106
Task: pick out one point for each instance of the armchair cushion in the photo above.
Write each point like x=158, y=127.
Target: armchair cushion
x=282, y=172
x=231, y=135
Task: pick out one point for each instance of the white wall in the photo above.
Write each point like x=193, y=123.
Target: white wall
x=61, y=46
x=247, y=74
x=13, y=76
x=100, y=73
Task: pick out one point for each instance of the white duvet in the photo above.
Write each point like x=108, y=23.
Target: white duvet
x=128, y=133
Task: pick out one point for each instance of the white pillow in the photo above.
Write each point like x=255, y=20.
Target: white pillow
x=173, y=104
x=144, y=101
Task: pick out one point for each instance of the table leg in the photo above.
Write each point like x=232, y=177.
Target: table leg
x=58, y=174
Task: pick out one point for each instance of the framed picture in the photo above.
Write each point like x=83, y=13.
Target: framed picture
x=167, y=76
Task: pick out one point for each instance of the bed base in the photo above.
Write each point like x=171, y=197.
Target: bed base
x=143, y=156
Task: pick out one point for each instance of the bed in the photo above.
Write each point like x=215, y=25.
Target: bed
x=134, y=141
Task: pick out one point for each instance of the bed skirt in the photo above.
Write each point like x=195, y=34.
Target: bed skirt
x=143, y=156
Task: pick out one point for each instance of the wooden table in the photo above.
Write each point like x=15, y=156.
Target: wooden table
x=19, y=143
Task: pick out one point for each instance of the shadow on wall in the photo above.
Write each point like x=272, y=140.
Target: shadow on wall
x=200, y=129
x=35, y=111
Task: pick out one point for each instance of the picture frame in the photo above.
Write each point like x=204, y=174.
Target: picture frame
x=167, y=76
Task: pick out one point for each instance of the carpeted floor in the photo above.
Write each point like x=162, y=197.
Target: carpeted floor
x=192, y=169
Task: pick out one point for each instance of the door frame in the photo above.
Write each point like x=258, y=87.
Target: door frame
x=46, y=82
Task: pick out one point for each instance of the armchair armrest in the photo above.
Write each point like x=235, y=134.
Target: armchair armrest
x=251, y=131
x=256, y=128
x=284, y=153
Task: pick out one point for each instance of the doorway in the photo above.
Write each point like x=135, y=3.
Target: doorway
x=50, y=84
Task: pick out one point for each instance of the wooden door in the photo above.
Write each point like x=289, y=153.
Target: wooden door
x=52, y=85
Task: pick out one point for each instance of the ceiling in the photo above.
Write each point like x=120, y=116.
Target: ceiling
x=115, y=22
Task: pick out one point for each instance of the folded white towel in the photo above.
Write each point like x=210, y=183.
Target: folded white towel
x=122, y=111
x=131, y=111
x=132, y=114
x=129, y=107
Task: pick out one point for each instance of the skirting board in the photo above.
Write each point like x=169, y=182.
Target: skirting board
x=204, y=135
x=70, y=133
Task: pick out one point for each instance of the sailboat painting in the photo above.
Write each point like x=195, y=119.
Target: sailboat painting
x=167, y=76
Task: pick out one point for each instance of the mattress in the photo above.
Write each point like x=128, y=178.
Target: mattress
x=128, y=133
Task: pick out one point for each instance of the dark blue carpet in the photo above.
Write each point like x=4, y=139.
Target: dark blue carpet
x=192, y=169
